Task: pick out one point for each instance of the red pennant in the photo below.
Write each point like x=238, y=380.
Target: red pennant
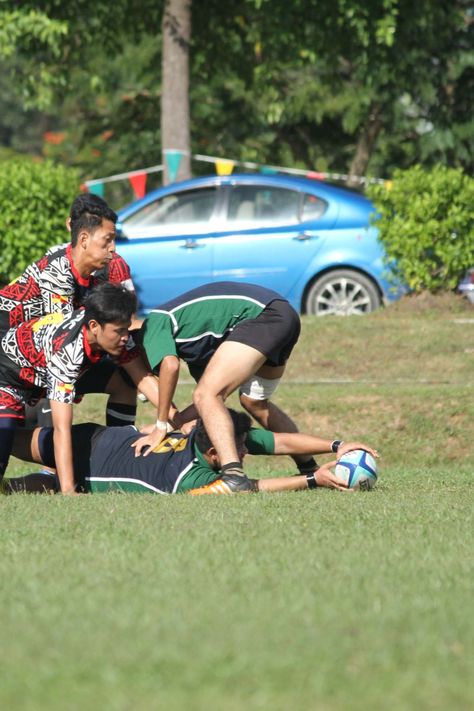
x=315, y=176
x=138, y=183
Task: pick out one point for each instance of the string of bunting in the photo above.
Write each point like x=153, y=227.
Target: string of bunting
x=223, y=166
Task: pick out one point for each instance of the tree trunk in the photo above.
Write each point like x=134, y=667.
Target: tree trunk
x=176, y=31
x=365, y=144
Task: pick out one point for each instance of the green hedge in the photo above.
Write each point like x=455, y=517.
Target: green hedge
x=34, y=203
x=426, y=224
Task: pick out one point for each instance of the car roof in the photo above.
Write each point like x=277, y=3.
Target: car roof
x=322, y=189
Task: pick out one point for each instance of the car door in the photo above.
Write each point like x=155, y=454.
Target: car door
x=168, y=244
x=270, y=234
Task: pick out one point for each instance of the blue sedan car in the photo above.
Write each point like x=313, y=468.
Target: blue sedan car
x=307, y=240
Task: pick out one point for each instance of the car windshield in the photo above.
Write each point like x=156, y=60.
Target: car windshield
x=190, y=206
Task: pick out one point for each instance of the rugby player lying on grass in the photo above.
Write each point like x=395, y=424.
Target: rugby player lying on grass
x=104, y=460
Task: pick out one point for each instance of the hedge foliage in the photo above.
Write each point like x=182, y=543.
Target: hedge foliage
x=426, y=224
x=35, y=198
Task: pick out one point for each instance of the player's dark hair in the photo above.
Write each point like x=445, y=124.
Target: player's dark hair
x=110, y=303
x=87, y=213
x=240, y=420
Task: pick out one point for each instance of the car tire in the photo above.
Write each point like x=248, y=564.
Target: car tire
x=342, y=292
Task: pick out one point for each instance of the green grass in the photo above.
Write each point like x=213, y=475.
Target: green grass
x=313, y=600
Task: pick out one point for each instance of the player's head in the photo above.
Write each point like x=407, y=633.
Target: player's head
x=92, y=204
x=241, y=422
x=92, y=225
x=108, y=314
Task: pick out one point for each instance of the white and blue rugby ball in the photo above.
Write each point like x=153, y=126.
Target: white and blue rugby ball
x=358, y=469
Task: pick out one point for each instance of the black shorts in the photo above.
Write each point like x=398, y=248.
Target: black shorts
x=274, y=332
x=84, y=438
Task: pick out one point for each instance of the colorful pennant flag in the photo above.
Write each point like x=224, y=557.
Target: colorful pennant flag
x=315, y=176
x=224, y=166
x=266, y=170
x=97, y=189
x=173, y=160
x=138, y=183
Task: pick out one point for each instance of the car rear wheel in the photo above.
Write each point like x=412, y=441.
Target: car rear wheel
x=342, y=292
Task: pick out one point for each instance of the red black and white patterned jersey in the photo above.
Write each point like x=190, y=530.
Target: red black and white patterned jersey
x=53, y=285
x=51, y=353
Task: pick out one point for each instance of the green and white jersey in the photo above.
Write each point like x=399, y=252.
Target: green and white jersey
x=193, y=325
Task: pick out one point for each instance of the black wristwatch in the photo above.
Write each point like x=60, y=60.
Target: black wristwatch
x=336, y=444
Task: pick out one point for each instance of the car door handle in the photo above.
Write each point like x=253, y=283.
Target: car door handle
x=191, y=244
x=305, y=236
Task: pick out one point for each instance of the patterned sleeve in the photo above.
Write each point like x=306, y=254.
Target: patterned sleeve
x=119, y=272
x=63, y=369
x=158, y=339
x=61, y=379
x=130, y=352
x=57, y=286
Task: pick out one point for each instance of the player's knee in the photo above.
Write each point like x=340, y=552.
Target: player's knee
x=198, y=398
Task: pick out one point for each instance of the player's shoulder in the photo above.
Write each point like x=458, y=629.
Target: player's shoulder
x=54, y=256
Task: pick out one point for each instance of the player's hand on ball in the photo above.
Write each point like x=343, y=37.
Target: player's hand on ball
x=350, y=446
x=147, y=444
x=325, y=477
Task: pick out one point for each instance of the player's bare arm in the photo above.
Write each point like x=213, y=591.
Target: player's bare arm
x=168, y=380
x=62, y=422
x=300, y=443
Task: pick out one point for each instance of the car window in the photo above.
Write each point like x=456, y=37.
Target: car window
x=179, y=208
x=256, y=203
x=313, y=208
x=259, y=203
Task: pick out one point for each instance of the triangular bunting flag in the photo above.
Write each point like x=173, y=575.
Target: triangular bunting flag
x=173, y=159
x=224, y=166
x=138, y=183
x=97, y=189
x=315, y=176
x=266, y=170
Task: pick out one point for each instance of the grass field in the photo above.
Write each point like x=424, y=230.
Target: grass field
x=313, y=600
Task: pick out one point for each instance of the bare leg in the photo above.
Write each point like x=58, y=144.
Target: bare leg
x=230, y=366
x=122, y=403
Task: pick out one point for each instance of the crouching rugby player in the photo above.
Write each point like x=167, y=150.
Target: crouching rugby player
x=104, y=460
x=232, y=336
x=47, y=356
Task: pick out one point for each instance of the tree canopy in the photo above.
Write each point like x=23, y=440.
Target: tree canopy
x=346, y=85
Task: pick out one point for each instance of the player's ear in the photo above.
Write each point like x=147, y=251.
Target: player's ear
x=93, y=326
x=68, y=224
x=213, y=457
x=83, y=239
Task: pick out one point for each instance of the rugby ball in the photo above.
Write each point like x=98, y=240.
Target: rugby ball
x=358, y=469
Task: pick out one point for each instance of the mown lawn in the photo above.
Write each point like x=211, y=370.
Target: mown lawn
x=312, y=600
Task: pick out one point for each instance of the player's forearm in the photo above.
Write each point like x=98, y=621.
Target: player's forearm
x=289, y=483
x=187, y=415
x=63, y=455
x=299, y=443
x=169, y=374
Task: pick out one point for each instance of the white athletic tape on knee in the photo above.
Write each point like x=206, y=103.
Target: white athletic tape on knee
x=258, y=388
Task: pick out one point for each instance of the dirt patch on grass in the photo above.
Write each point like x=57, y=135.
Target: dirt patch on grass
x=445, y=302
